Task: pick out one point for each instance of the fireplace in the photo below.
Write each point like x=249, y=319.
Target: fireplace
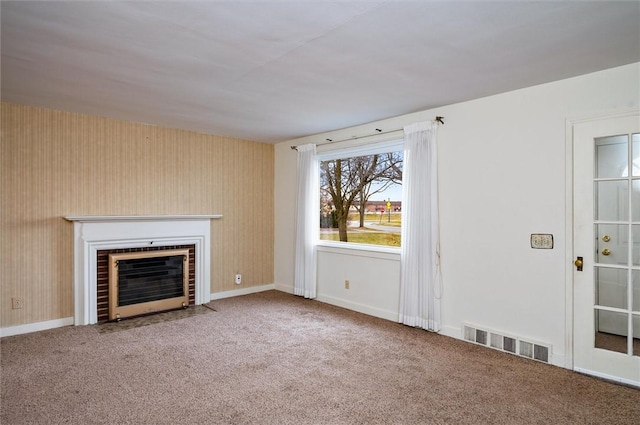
x=99, y=234
x=106, y=274
x=143, y=282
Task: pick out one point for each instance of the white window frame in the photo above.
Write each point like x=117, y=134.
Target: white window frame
x=390, y=142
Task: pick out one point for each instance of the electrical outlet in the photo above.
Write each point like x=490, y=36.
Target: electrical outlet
x=17, y=303
x=346, y=284
x=238, y=279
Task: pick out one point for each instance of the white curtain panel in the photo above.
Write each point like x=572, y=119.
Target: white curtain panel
x=420, y=281
x=307, y=221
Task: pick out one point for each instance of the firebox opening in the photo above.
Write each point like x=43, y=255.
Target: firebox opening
x=147, y=282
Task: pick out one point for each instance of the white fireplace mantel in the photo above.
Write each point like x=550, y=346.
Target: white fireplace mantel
x=116, y=218
x=93, y=233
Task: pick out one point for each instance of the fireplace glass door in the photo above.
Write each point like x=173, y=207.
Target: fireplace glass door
x=147, y=282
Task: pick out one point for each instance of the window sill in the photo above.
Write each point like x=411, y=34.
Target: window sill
x=362, y=250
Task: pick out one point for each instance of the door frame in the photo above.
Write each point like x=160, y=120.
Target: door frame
x=570, y=123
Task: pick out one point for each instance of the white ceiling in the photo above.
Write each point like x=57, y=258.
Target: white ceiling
x=277, y=70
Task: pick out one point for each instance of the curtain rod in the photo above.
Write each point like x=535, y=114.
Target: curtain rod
x=379, y=131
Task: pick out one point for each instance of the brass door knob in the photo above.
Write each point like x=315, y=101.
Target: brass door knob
x=578, y=263
x=606, y=251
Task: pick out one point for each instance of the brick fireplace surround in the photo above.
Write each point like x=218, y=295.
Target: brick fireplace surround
x=99, y=233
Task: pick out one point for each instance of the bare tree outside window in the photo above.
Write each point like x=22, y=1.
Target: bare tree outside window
x=356, y=199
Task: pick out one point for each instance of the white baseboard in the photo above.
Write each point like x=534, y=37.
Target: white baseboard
x=451, y=331
x=242, y=291
x=608, y=377
x=35, y=327
x=284, y=288
x=360, y=308
x=349, y=305
x=559, y=360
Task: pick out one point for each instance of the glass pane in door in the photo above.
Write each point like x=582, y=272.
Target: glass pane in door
x=635, y=301
x=611, y=245
x=635, y=200
x=635, y=252
x=611, y=331
x=635, y=139
x=636, y=334
x=611, y=287
x=611, y=156
x=611, y=200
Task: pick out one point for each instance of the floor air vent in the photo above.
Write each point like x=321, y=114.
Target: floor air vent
x=508, y=344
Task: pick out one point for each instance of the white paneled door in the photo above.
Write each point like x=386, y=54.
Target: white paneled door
x=606, y=277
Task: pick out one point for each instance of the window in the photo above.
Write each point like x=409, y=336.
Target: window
x=361, y=195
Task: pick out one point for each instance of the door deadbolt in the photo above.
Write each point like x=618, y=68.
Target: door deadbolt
x=606, y=238
x=578, y=264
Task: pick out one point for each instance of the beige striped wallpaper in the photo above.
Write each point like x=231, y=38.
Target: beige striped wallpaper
x=59, y=163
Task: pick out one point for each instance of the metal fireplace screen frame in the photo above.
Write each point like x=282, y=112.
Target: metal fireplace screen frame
x=172, y=297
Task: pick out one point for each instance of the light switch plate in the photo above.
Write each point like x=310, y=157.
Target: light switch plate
x=541, y=241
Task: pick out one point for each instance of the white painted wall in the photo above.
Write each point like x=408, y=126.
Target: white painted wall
x=374, y=285
x=502, y=177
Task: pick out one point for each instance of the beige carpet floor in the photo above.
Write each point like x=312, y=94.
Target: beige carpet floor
x=152, y=319
x=272, y=358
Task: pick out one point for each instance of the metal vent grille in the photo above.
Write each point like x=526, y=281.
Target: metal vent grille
x=509, y=344
x=526, y=349
x=540, y=352
x=481, y=337
x=497, y=341
x=470, y=334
